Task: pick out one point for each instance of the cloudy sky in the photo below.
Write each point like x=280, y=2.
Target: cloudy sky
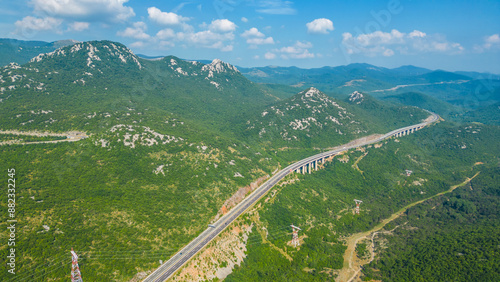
x=450, y=35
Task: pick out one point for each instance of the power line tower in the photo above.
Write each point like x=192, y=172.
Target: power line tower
x=76, y=276
x=357, y=205
x=295, y=235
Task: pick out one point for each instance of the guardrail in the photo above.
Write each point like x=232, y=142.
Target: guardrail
x=164, y=272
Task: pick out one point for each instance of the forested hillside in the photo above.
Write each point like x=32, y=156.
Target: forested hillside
x=463, y=247
x=168, y=143
x=456, y=230
x=311, y=119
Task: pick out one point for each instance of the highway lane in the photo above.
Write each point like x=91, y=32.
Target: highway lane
x=163, y=272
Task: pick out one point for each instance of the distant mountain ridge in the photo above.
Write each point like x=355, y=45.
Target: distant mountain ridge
x=20, y=51
x=98, y=84
x=170, y=140
x=449, y=87
x=283, y=74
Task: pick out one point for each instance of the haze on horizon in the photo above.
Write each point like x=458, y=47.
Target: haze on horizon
x=444, y=35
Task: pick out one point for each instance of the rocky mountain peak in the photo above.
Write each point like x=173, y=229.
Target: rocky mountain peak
x=218, y=66
x=312, y=92
x=312, y=95
x=94, y=51
x=356, y=97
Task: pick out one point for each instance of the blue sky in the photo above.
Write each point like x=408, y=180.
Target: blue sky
x=449, y=35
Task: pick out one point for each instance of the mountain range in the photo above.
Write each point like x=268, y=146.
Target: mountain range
x=460, y=89
x=450, y=87
x=21, y=51
x=171, y=140
x=106, y=81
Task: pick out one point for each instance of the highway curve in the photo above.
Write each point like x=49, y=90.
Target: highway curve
x=168, y=268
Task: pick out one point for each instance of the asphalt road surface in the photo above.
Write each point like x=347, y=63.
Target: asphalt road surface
x=168, y=268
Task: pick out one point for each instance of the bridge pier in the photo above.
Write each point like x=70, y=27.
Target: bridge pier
x=314, y=165
x=407, y=131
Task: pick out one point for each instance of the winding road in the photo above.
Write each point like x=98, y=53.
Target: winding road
x=167, y=269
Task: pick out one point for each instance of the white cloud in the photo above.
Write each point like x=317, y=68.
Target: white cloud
x=417, y=33
x=255, y=37
x=223, y=25
x=165, y=33
x=29, y=24
x=243, y=19
x=253, y=32
x=206, y=39
x=260, y=41
x=269, y=55
x=138, y=31
x=490, y=42
x=435, y=44
x=384, y=43
x=78, y=26
x=216, y=35
x=88, y=10
x=493, y=39
x=137, y=44
x=297, y=51
x=165, y=18
x=276, y=7
x=379, y=37
x=388, y=52
x=320, y=26
x=303, y=45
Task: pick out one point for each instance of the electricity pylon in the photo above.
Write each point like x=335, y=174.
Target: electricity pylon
x=357, y=205
x=76, y=276
x=295, y=234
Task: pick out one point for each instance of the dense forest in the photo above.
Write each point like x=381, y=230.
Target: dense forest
x=322, y=205
x=452, y=238
x=171, y=140
x=114, y=206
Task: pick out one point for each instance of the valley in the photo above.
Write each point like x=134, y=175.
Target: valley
x=128, y=160
x=171, y=266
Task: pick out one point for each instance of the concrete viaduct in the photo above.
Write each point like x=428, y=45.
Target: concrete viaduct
x=309, y=164
x=168, y=268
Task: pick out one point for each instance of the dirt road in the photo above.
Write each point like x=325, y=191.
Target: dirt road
x=352, y=265
x=72, y=136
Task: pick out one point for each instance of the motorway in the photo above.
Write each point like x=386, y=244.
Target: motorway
x=168, y=268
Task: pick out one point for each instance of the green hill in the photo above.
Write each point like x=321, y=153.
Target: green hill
x=169, y=142
x=313, y=119
x=423, y=101
x=159, y=162
x=487, y=115
x=103, y=78
x=459, y=229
